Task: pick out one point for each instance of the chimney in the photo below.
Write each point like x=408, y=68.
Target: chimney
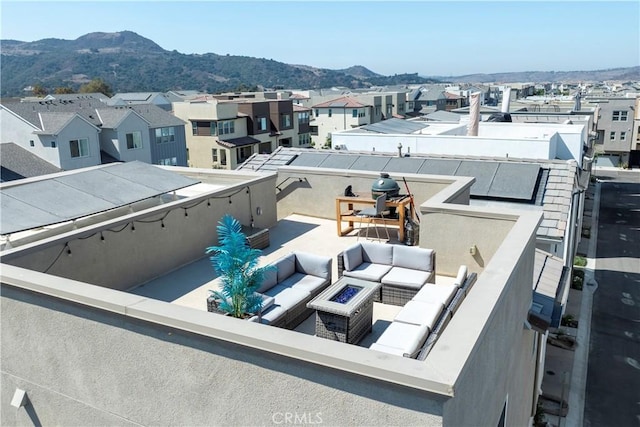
x=506, y=99
x=474, y=114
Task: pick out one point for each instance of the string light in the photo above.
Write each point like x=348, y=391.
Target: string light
x=133, y=228
x=68, y=249
x=101, y=236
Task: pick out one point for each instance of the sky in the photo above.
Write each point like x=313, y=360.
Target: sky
x=431, y=38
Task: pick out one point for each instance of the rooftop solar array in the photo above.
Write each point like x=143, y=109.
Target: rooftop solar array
x=500, y=180
x=395, y=126
x=72, y=196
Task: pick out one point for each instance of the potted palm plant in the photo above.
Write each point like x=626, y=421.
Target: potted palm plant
x=237, y=266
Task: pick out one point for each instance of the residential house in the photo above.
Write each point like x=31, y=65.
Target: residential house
x=615, y=126
x=63, y=138
x=122, y=133
x=218, y=133
x=338, y=114
x=225, y=133
x=152, y=353
x=141, y=98
x=301, y=125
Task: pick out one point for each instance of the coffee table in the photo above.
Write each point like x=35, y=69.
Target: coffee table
x=344, y=311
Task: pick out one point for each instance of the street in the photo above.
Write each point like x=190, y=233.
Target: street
x=612, y=396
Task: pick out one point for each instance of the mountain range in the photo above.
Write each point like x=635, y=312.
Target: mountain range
x=128, y=62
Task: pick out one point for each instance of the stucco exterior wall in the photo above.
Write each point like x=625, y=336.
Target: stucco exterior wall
x=300, y=185
x=126, y=258
x=84, y=366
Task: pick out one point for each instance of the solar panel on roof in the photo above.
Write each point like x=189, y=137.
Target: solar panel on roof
x=338, y=104
x=72, y=196
x=483, y=172
x=309, y=159
x=394, y=126
x=404, y=164
x=370, y=163
x=515, y=181
x=439, y=167
x=338, y=161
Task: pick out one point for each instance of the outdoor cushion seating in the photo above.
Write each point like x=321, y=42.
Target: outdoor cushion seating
x=402, y=339
x=431, y=307
x=402, y=270
x=419, y=313
x=297, y=278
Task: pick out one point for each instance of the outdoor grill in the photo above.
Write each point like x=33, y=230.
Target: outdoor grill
x=384, y=184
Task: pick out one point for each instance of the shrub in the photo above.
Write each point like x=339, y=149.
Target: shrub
x=580, y=261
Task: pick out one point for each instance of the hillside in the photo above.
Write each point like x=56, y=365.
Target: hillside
x=129, y=62
x=619, y=74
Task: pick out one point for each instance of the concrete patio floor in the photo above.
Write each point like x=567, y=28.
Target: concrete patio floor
x=189, y=285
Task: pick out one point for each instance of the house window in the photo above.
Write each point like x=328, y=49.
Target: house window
x=31, y=143
x=612, y=136
x=619, y=116
x=53, y=144
x=329, y=112
x=262, y=123
x=79, y=147
x=164, y=135
x=134, y=140
x=354, y=113
x=303, y=117
x=264, y=148
x=244, y=153
x=317, y=112
x=223, y=157
x=226, y=127
x=203, y=128
x=401, y=107
x=214, y=155
x=169, y=161
x=623, y=136
x=304, y=139
x=285, y=120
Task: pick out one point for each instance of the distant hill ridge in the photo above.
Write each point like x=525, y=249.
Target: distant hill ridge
x=129, y=62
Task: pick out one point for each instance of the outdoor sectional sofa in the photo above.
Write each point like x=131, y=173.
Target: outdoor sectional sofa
x=402, y=270
x=418, y=325
x=297, y=279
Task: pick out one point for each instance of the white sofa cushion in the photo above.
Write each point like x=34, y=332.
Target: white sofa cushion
x=305, y=282
x=413, y=258
x=420, y=313
x=404, y=336
x=377, y=253
x=406, y=277
x=316, y=265
x=270, y=280
x=289, y=297
x=436, y=293
x=352, y=257
x=273, y=314
x=462, y=276
x=387, y=349
x=368, y=271
x=286, y=266
x=267, y=302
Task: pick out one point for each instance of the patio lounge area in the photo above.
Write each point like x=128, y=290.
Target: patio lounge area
x=189, y=286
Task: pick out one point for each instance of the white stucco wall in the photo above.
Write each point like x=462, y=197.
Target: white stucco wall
x=133, y=123
x=13, y=129
x=78, y=128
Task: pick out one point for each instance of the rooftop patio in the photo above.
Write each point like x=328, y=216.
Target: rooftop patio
x=188, y=286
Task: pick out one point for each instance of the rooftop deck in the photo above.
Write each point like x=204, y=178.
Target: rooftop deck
x=188, y=286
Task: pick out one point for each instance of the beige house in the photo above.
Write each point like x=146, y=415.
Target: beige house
x=338, y=114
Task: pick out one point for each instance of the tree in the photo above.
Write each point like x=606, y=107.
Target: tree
x=96, y=85
x=237, y=265
x=62, y=90
x=39, y=90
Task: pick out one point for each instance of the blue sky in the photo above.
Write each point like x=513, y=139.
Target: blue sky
x=426, y=37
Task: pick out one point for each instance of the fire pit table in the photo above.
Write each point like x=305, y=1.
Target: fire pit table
x=344, y=311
